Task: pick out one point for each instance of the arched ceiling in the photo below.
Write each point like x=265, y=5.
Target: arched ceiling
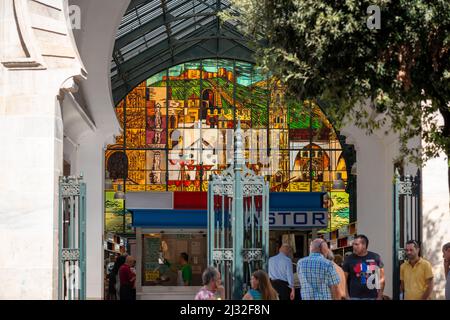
x=157, y=34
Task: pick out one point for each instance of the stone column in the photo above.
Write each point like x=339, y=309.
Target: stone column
x=374, y=195
x=91, y=163
x=436, y=216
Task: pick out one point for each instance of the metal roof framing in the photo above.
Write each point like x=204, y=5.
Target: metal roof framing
x=157, y=34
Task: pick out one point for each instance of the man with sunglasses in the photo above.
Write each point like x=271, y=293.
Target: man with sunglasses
x=416, y=274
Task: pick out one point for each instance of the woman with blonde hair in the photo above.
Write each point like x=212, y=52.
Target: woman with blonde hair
x=261, y=288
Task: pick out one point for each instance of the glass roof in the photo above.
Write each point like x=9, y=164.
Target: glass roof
x=156, y=34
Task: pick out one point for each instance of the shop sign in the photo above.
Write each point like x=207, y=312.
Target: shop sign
x=303, y=219
x=151, y=275
x=184, y=236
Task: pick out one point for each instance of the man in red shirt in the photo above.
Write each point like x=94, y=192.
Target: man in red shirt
x=127, y=279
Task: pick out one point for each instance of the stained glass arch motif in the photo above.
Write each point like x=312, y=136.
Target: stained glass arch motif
x=178, y=130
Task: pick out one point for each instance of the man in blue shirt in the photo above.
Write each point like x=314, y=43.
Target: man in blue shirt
x=281, y=273
x=318, y=277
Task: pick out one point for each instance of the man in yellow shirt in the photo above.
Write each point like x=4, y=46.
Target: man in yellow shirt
x=416, y=275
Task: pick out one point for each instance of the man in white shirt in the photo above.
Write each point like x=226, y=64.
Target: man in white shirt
x=281, y=273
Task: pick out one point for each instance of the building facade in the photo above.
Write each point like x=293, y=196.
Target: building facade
x=135, y=83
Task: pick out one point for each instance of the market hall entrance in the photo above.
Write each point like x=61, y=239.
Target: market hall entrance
x=165, y=228
x=178, y=117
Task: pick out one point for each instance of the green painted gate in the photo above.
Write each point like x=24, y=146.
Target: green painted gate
x=72, y=239
x=238, y=225
x=407, y=220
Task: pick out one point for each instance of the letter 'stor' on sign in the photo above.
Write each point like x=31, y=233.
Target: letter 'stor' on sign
x=298, y=219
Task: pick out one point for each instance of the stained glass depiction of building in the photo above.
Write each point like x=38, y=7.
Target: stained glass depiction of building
x=179, y=128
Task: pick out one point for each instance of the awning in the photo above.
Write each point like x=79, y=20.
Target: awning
x=166, y=218
x=188, y=211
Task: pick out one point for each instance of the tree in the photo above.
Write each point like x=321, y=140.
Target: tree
x=376, y=78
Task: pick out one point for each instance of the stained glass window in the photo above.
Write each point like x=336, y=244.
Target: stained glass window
x=178, y=129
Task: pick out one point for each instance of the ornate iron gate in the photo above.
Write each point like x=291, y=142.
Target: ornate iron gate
x=238, y=225
x=72, y=239
x=407, y=220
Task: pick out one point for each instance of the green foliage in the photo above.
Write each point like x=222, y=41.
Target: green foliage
x=377, y=79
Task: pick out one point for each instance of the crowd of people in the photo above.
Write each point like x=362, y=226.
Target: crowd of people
x=260, y=287
x=122, y=277
x=321, y=276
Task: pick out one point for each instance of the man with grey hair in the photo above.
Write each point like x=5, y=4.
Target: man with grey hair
x=127, y=278
x=318, y=277
x=281, y=273
x=212, y=286
x=446, y=256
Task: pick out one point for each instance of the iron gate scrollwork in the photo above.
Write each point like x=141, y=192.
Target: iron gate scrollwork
x=72, y=239
x=407, y=220
x=238, y=225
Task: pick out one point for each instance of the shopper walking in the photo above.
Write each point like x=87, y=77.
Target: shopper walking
x=183, y=269
x=318, y=277
x=416, y=274
x=185, y=272
x=364, y=272
x=114, y=280
x=281, y=273
x=127, y=279
x=112, y=294
x=212, y=286
x=261, y=288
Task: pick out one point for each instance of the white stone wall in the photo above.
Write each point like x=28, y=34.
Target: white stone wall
x=32, y=73
x=90, y=162
x=375, y=173
x=436, y=218
x=374, y=194
x=436, y=215
x=95, y=40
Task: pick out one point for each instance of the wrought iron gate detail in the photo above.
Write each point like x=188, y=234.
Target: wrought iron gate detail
x=238, y=225
x=72, y=239
x=407, y=220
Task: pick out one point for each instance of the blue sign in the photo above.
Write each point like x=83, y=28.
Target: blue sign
x=298, y=219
